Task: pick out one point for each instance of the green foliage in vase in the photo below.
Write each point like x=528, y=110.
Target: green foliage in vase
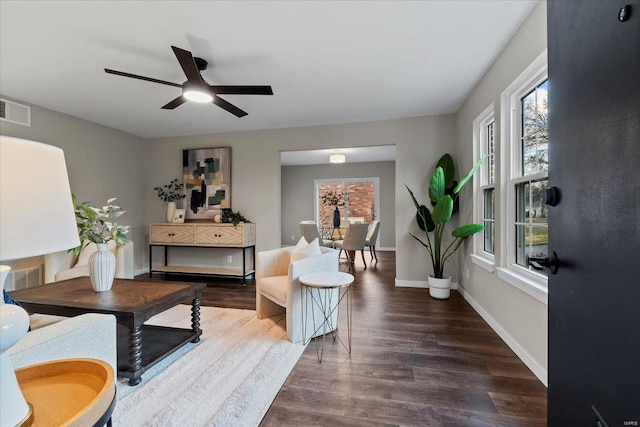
x=170, y=192
x=432, y=223
x=98, y=225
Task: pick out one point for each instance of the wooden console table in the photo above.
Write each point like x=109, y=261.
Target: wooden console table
x=204, y=235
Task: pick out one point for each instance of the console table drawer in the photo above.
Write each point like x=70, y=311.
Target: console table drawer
x=217, y=235
x=172, y=234
x=208, y=236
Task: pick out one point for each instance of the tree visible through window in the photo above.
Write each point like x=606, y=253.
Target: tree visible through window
x=532, y=225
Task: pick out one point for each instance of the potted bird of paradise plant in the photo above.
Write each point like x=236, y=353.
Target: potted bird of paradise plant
x=443, y=193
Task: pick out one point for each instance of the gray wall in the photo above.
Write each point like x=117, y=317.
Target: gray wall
x=521, y=318
x=297, y=190
x=419, y=141
x=422, y=145
x=102, y=163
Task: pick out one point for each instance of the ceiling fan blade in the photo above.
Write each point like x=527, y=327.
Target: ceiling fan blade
x=188, y=65
x=242, y=90
x=175, y=103
x=134, y=76
x=228, y=106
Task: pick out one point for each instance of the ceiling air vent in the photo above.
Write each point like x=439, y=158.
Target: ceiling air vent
x=15, y=113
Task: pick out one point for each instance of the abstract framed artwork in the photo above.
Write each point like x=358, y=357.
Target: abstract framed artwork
x=178, y=216
x=206, y=175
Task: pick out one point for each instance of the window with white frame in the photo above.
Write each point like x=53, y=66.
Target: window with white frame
x=531, y=222
x=360, y=196
x=524, y=173
x=485, y=147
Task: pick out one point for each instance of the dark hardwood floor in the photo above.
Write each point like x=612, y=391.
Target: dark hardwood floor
x=415, y=361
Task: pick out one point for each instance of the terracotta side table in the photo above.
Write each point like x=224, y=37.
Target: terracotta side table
x=69, y=392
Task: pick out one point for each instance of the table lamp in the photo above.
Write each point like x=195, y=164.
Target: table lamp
x=36, y=218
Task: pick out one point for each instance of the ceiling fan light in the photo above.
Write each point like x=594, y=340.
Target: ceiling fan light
x=197, y=95
x=337, y=158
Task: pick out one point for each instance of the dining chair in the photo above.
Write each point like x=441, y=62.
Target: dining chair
x=372, y=237
x=354, y=240
x=310, y=231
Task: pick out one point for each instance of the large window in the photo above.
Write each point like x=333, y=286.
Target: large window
x=360, y=196
x=484, y=128
x=531, y=222
x=523, y=177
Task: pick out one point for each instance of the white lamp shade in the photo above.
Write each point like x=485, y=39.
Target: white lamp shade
x=36, y=210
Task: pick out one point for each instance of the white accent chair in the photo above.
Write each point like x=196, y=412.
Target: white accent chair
x=354, y=241
x=278, y=289
x=372, y=237
x=310, y=232
x=90, y=335
x=64, y=265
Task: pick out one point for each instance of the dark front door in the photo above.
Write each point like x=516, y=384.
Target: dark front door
x=594, y=299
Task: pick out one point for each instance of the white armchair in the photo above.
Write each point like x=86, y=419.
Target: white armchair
x=278, y=289
x=91, y=335
x=64, y=265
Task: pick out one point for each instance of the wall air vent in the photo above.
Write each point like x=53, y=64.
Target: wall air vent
x=15, y=113
x=24, y=278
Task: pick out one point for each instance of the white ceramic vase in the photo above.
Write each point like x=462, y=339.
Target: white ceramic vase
x=102, y=268
x=171, y=208
x=440, y=288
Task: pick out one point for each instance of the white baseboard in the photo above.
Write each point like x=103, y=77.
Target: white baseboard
x=418, y=284
x=411, y=283
x=141, y=271
x=534, y=366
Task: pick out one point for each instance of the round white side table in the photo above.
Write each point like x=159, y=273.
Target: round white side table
x=325, y=284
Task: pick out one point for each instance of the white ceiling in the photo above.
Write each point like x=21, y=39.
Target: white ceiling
x=328, y=62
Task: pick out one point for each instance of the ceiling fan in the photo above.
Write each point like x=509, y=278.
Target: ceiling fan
x=196, y=88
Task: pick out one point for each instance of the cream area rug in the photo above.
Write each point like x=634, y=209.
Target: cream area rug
x=229, y=378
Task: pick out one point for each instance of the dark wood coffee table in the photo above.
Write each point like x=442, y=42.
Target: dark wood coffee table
x=133, y=302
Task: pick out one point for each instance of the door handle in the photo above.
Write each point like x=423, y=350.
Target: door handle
x=551, y=262
x=551, y=196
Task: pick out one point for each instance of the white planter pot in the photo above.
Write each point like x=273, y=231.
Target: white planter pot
x=440, y=288
x=171, y=208
x=102, y=268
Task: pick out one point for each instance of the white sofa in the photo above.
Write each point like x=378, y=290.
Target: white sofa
x=278, y=289
x=90, y=335
x=64, y=265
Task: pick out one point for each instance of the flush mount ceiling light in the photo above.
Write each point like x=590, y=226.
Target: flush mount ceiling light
x=337, y=158
x=196, y=95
